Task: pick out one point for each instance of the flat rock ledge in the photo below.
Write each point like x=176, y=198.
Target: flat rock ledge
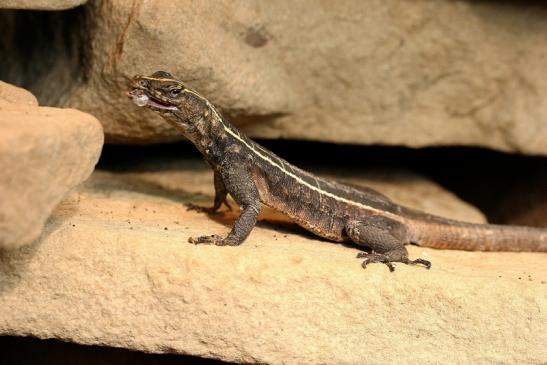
x=113, y=267
x=44, y=153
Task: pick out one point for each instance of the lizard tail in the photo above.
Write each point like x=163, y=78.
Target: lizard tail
x=477, y=237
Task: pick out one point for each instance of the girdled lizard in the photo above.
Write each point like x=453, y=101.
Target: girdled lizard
x=253, y=175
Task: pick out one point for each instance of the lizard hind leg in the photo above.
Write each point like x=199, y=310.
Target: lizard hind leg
x=385, y=237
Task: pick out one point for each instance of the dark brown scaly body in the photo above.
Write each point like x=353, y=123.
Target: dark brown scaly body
x=252, y=175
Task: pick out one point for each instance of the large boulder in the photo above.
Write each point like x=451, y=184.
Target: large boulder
x=124, y=275
x=44, y=153
x=367, y=72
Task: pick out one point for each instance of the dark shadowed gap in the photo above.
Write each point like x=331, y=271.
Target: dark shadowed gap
x=32, y=351
x=45, y=52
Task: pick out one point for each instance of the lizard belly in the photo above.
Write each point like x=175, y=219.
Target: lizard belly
x=304, y=206
x=331, y=228
x=322, y=224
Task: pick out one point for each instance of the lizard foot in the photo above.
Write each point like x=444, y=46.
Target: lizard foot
x=385, y=259
x=207, y=240
x=212, y=240
x=375, y=257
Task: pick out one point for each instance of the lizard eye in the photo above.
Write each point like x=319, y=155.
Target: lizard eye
x=175, y=92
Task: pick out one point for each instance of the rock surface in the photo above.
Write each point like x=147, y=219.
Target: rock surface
x=113, y=267
x=44, y=153
x=378, y=72
x=40, y=4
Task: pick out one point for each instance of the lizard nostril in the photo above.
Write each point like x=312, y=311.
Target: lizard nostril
x=143, y=83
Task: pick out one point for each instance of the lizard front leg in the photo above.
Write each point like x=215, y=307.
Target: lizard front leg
x=220, y=197
x=385, y=237
x=239, y=184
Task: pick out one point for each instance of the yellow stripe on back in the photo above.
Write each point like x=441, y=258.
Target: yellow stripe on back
x=305, y=183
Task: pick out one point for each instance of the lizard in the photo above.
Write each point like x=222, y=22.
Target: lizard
x=253, y=176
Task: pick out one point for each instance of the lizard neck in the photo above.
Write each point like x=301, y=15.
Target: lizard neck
x=204, y=126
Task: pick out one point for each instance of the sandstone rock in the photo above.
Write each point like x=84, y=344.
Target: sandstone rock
x=378, y=72
x=40, y=4
x=44, y=153
x=114, y=268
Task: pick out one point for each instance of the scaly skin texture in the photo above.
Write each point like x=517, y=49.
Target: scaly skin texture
x=253, y=175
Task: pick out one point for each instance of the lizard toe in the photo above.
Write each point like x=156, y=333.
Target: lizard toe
x=374, y=257
x=207, y=240
x=425, y=263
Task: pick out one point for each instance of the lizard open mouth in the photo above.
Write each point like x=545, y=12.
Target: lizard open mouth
x=140, y=98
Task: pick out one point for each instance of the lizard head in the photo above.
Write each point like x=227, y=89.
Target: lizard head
x=160, y=92
x=179, y=105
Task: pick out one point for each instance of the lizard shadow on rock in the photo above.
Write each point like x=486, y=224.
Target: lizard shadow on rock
x=132, y=183
x=137, y=184
x=278, y=224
